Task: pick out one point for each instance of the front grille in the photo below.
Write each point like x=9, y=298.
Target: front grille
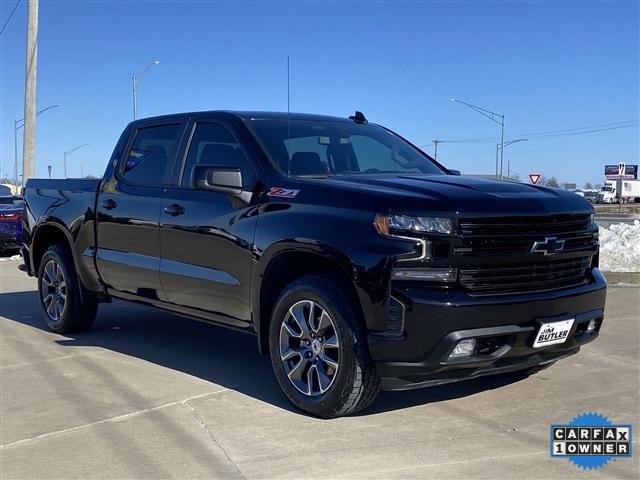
x=516, y=235
x=525, y=277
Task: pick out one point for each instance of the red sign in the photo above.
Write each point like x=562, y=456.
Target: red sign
x=534, y=178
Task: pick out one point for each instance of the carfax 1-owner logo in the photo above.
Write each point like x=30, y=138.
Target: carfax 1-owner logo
x=590, y=440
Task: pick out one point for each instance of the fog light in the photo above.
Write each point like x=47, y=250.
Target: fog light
x=592, y=325
x=464, y=348
x=426, y=274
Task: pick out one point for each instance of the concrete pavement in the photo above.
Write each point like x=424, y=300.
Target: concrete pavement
x=148, y=394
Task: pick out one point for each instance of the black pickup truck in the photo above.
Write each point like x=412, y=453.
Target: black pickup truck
x=358, y=261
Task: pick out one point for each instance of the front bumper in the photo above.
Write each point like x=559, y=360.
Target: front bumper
x=435, y=320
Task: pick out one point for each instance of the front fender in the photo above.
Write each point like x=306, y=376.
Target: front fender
x=344, y=237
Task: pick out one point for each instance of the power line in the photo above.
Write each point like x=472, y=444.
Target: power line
x=579, y=128
x=553, y=133
x=10, y=15
x=628, y=123
x=560, y=135
x=520, y=152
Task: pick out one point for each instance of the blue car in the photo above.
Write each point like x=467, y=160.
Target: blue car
x=10, y=224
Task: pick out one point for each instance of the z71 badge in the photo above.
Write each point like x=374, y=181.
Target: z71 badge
x=282, y=192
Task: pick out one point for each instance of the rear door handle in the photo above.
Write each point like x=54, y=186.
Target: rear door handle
x=108, y=204
x=174, y=209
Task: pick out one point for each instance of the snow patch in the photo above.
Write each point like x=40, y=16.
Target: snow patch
x=13, y=257
x=620, y=247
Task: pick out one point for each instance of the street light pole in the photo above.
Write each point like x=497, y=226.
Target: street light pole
x=17, y=127
x=493, y=116
x=69, y=152
x=134, y=80
x=502, y=145
x=15, y=152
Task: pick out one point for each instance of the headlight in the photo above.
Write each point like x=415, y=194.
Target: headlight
x=387, y=224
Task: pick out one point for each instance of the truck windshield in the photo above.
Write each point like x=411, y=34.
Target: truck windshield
x=324, y=148
x=607, y=189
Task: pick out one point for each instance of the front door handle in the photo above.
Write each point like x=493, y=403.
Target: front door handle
x=108, y=204
x=174, y=209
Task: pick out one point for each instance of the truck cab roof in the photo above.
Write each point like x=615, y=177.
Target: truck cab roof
x=246, y=115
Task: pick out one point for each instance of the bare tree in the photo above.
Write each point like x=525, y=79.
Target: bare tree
x=588, y=186
x=552, y=182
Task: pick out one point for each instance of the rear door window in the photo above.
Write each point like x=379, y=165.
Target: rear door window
x=152, y=152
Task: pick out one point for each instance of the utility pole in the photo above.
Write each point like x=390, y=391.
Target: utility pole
x=493, y=116
x=500, y=148
x=29, y=142
x=435, y=152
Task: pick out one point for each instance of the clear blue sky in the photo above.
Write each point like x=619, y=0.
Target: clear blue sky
x=545, y=65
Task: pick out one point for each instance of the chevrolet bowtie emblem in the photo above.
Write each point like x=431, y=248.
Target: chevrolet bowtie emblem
x=548, y=246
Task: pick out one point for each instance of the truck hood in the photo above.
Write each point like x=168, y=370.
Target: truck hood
x=460, y=195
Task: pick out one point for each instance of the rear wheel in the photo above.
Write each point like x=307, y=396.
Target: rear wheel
x=66, y=305
x=318, y=349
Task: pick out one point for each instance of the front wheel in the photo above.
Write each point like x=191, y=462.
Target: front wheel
x=66, y=305
x=318, y=349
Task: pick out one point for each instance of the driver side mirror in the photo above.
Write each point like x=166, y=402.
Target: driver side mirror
x=217, y=178
x=455, y=172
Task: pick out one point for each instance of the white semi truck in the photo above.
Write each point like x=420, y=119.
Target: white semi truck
x=630, y=191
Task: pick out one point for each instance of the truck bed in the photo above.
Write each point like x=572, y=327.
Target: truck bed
x=69, y=184
x=63, y=207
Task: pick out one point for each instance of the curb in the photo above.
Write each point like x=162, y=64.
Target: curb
x=629, y=278
x=631, y=216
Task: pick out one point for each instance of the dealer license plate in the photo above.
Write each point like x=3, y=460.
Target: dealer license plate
x=553, y=333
